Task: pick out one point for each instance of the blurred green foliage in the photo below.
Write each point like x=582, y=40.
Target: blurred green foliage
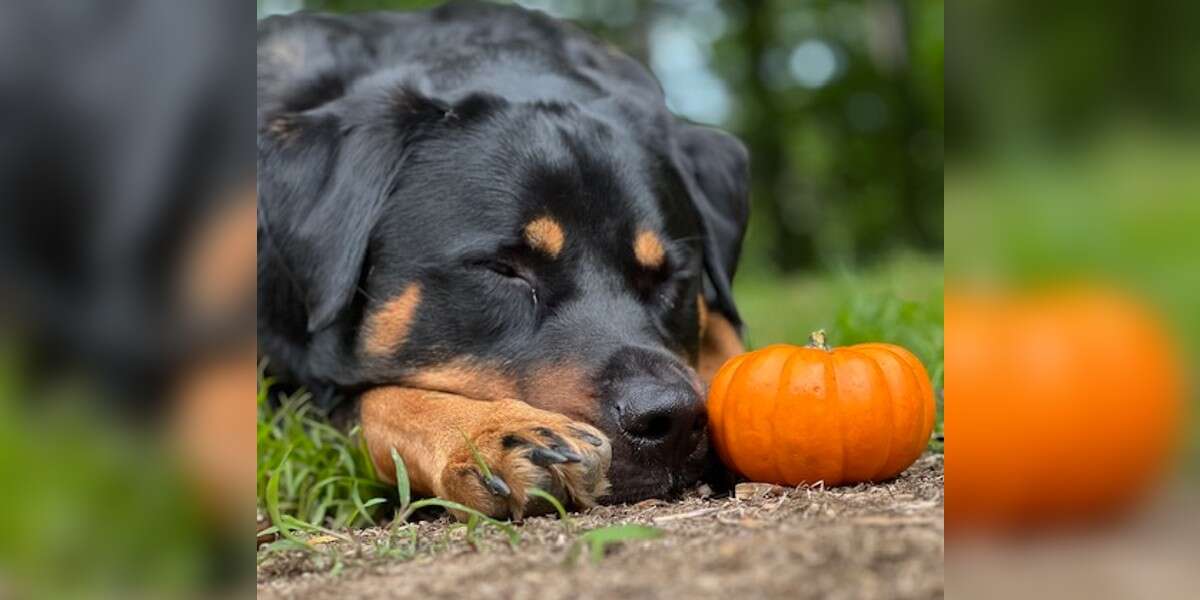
x=840, y=103
x=1055, y=75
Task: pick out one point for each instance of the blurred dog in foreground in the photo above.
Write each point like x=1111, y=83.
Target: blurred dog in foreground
x=127, y=220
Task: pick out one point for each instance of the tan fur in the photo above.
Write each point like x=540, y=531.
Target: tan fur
x=546, y=235
x=702, y=314
x=466, y=378
x=430, y=431
x=387, y=327
x=719, y=342
x=563, y=389
x=648, y=249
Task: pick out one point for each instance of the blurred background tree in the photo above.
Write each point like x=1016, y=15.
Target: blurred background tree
x=839, y=101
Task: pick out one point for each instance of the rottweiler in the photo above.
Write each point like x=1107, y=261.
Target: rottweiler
x=485, y=226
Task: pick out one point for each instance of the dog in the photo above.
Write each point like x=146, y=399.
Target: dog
x=486, y=226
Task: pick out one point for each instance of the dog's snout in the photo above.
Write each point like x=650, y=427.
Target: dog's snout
x=654, y=414
x=661, y=416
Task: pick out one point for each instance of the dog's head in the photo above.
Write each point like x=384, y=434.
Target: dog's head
x=568, y=255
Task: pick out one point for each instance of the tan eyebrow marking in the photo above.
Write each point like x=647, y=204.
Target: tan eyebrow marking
x=546, y=235
x=648, y=249
x=388, y=326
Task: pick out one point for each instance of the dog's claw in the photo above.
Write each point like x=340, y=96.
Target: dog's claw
x=589, y=438
x=569, y=454
x=497, y=486
x=544, y=457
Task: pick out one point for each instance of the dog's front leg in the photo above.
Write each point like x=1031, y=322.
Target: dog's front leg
x=438, y=434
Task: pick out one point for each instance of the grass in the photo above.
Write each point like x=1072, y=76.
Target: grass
x=314, y=480
x=401, y=541
x=327, y=477
x=598, y=540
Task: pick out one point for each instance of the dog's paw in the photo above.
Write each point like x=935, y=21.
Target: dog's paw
x=524, y=448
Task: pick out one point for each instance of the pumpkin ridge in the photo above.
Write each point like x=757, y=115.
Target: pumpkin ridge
x=891, y=420
x=784, y=379
x=831, y=383
x=921, y=377
x=928, y=409
x=922, y=440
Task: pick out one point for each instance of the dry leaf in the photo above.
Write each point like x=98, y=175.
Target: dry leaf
x=749, y=490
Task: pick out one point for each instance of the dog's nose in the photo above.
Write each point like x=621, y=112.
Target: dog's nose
x=663, y=418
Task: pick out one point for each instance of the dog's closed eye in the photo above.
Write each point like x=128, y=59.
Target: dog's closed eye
x=509, y=272
x=500, y=268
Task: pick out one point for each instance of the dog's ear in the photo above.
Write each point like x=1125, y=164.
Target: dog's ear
x=327, y=166
x=716, y=170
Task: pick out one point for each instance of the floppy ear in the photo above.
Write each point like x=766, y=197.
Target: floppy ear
x=327, y=166
x=716, y=170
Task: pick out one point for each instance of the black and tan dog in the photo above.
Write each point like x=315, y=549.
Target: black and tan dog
x=488, y=223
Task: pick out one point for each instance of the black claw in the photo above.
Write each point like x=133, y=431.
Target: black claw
x=544, y=457
x=552, y=438
x=589, y=438
x=497, y=486
x=569, y=454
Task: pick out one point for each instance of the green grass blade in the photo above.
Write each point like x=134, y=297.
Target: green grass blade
x=309, y=527
x=402, y=485
x=598, y=540
x=362, y=451
x=514, y=536
x=273, y=503
x=548, y=497
x=284, y=545
x=472, y=525
x=483, y=466
x=358, y=503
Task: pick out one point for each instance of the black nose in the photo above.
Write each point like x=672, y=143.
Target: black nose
x=665, y=418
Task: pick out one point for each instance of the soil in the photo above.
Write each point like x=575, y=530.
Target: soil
x=867, y=541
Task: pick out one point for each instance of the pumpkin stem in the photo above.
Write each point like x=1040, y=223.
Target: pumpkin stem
x=816, y=340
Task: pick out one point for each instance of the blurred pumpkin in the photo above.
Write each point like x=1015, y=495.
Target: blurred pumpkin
x=802, y=414
x=1063, y=406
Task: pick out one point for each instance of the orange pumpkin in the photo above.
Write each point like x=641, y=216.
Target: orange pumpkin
x=791, y=414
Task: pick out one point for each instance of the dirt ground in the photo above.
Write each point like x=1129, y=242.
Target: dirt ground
x=867, y=541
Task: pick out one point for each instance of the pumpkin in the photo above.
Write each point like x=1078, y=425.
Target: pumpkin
x=801, y=414
x=1065, y=406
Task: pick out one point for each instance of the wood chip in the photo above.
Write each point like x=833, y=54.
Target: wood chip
x=650, y=502
x=750, y=490
x=691, y=514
